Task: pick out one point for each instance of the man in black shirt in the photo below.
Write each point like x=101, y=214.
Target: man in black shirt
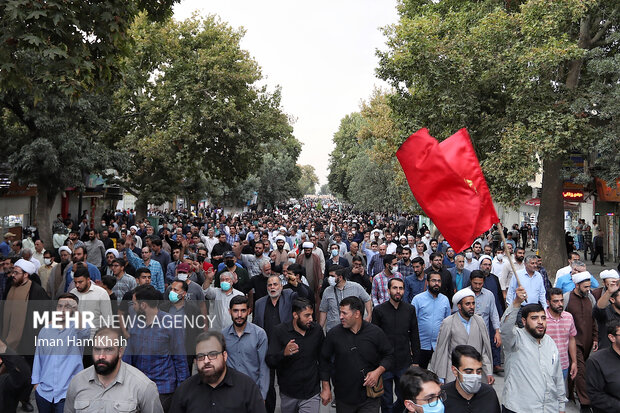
x=294, y=350
x=468, y=393
x=216, y=388
x=361, y=353
x=357, y=273
x=217, y=253
x=293, y=273
x=14, y=380
x=398, y=321
x=603, y=373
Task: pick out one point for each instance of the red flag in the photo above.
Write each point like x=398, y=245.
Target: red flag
x=447, y=182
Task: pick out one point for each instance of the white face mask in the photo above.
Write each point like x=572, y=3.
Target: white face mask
x=395, y=269
x=48, y=261
x=427, y=235
x=182, y=276
x=331, y=280
x=500, y=256
x=291, y=260
x=469, y=255
x=471, y=383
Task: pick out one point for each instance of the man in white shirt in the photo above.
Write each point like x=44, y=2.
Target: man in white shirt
x=92, y=298
x=471, y=263
x=39, y=251
x=220, y=297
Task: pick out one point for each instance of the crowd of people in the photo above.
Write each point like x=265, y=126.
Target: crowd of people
x=368, y=312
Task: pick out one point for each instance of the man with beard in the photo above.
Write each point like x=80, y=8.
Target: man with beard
x=580, y=304
x=269, y=311
x=436, y=260
x=398, y=321
x=110, y=255
x=218, y=250
x=280, y=252
x=604, y=373
x=462, y=327
x=565, y=282
x=217, y=387
x=416, y=282
x=95, y=249
x=79, y=255
x=55, y=365
x=314, y=275
x=532, y=281
x=242, y=279
x=155, y=346
x=432, y=308
x=57, y=279
x=561, y=328
x=506, y=276
x=607, y=309
x=247, y=344
x=533, y=381
x=294, y=351
x=110, y=384
x=254, y=262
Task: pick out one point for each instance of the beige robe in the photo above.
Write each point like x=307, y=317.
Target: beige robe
x=453, y=333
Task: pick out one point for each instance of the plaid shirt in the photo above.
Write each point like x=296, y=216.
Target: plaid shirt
x=404, y=269
x=158, y=350
x=380, y=293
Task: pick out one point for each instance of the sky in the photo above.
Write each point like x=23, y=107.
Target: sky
x=322, y=54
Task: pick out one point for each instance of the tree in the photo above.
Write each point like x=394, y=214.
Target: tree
x=189, y=103
x=532, y=81
x=57, y=63
x=345, y=150
x=308, y=180
x=324, y=190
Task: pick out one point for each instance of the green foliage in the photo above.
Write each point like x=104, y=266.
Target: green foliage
x=189, y=104
x=308, y=180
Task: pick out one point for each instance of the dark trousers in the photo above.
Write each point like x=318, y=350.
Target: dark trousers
x=495, y=350
x=391, y=382
x=44, y=406
x=505, y=410
x=166, y=401
x=367, y=406
x=24, y=395
x=270, y=401
x=87, y=358
x=425, y=358
x=579, y=382
x=598, y=251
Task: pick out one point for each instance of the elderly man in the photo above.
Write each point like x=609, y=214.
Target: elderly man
x=221, y=297
x=460, y=275
x=462, y=327
x=531, y=280
x=565, y=282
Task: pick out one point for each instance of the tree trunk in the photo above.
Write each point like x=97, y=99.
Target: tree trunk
x=551, y=240
x=141, y=208
x=45, y=202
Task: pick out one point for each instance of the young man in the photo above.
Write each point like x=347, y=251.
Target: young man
x=561, y=328
x=603, y=373
x=468, y=392
x=422, y=392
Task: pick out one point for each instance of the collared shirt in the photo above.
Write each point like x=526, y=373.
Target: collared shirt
x=246, y=354
x=157, y=274
x=95, y=274
x=354, y=355
x=485, y=400
x=404, y=269
x=431, y=311
x=380, y=293
x=413, y=287
x=126, y=283
x=375, y=265
x=603, y=380
x=472, y=265
x=458, y=279
x=561, y=330
x=534, y=287
x=236, y=393
x=466, y=323
x=534, y=381
x=566, y=283
x=298, y=374
x=163, y=258
x=332, y=297
x=561, y=272
x=158, y=350
x=400, y=325
x=57, y=359
x=97, y=301
x=221, y=304
x=131, y=391
x=486, y=308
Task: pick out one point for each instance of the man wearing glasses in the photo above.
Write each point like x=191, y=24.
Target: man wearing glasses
x=216, y=388
x=421, y=391
x=110, y=384
x=56, y=359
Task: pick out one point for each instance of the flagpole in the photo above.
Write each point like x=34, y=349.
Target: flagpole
x=512, y=265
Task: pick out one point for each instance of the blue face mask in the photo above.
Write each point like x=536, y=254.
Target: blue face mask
x=334, y=252
x=438, y=408
x=225, y=285
x=174, y=297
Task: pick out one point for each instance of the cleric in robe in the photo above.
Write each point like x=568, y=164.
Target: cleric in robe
x=462, y=327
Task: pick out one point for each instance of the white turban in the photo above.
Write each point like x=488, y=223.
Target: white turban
x=613, y=274
x=113, y=251
x=27, y=266
x=307, y=245
x=465, y=292
x=581, y=277
x=280, y=238
x=487, y=257
x=134, y=228
x=66, y=249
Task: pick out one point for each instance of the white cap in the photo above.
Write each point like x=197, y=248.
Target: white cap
x=613, y=274
x=307, y=245
x=465, y=292
x=66, y=249
x=27, y=266
x=280, y=238
x=581, y=277
x=113, y=251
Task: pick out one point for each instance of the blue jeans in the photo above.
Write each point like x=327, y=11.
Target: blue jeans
x=565, y=374
x=391, y=379
x=45, y=406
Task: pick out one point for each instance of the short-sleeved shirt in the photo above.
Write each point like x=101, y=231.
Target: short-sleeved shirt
x=561, y=330
x=332, y=297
